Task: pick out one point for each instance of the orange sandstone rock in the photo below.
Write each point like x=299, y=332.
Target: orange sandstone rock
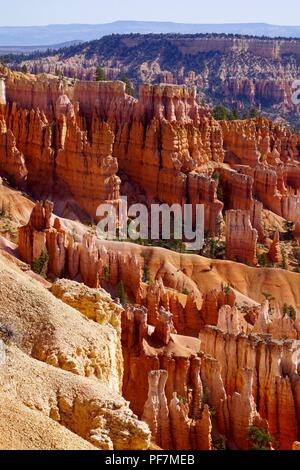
x=241, y=238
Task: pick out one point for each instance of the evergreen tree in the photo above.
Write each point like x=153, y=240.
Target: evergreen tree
x=129, y=89
x=100, y=74
x=253, y=113
x=121, y=292
x=220, y=113
x=234, y=115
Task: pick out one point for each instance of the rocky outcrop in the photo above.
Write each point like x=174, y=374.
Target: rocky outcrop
x=11, y=160
x=170, y=423
x=194, y=393
x=241, y=238
x=166, y=144
x=84, y=166
x=96, y=305
x=203, y=190
x=275, y=254
x=208, y=384
x=68, y=381
x=274, y=376
x=240, y=143
x=156, y=412
x=271, y=320
x=237, y=190
x=88, y=168
x=243, y=70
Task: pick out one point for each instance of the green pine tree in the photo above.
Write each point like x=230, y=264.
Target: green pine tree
x=121, y=292
x=129, y=89
x=100, y=74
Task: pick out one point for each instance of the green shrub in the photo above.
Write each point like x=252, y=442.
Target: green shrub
x=263, y=260
x=129, y=89
x=213, y=248
x=40, y=265
x=220, y=192
x=289, y=311
x=288, y=226
x=284, y=263
x=100, y=74
x=182, y=400
x=220, y=443
x=216, y=176
x=296, y=254
x=106, y=273
x=146, y=274
x=260, y=438
x=6, y=334
x=121, y=292
x=227, y=290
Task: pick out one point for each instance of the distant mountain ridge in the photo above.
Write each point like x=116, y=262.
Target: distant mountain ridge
x=54, y=34
x=28, y=49
x=233, y=70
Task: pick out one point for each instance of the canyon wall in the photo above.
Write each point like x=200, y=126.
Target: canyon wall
x=164, y=142
x=244, y=71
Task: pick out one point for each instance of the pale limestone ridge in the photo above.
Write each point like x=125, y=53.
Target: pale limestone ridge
x=80, y=393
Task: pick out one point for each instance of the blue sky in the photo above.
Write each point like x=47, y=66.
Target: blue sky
x=41, y=12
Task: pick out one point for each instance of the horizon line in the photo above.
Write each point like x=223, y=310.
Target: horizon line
x=155, y=21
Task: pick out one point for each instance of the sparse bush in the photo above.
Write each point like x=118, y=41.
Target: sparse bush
x=6, y=334
x=284, y=263
x=146, y=274
x=213, y=248
x=220, y=113
x=260, y=438
x=296, y=254
x=40, y=265
x=220, y=443
x=263, y=260
x=288, y=226
x=129, y=89
x=182, y=400
x=289, y=311
x=121, y=292
x=106, y=273
x=216, y=176
x=227, y=290
x=100, y=74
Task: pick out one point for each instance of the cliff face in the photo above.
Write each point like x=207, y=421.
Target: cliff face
x=274, y=373
x=244, y=71
x=67, y=381
x=195, y=348
x=84, y=133
x=219, y=387
x=193, y=393
x=241, y=238
x=164, y=142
